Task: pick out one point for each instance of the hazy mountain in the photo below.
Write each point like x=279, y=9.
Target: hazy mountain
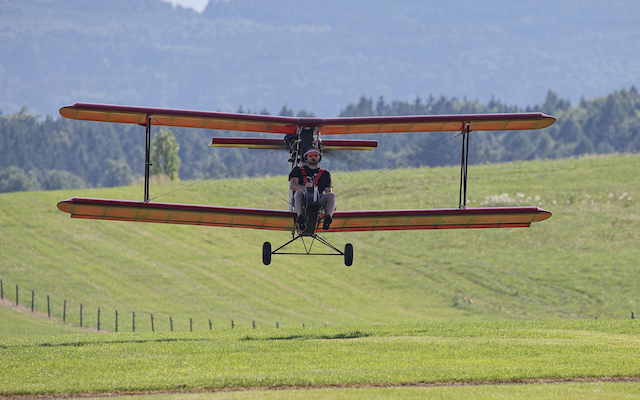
x=312, y=55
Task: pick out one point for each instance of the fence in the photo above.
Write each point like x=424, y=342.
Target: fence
x=75, y=313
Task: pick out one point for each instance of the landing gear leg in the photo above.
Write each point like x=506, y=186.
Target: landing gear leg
x=266, y=253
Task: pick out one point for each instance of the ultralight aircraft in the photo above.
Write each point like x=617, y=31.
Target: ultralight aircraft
x=300, y=134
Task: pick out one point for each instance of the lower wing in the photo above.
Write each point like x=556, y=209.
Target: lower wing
x=344, y=221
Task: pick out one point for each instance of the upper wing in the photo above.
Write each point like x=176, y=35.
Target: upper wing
x=345, y=221
x=288, y=125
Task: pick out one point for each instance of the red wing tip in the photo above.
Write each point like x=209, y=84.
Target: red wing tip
x=66, y=205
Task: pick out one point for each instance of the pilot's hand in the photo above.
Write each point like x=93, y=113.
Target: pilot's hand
x=309, y=184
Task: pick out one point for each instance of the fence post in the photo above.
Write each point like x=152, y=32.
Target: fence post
x=232, y=324
x=209, y=324
x=134, y=321
x=171, y=322
x=32, y=295
x=116, y=320
x=190, y=324
x=152, y=329
x=277, y=325
x=64, y=311
x=80, y=314
x=48, y=307
x=16, y=294
x=98, y=318
x=254, y=324
x=1, y=290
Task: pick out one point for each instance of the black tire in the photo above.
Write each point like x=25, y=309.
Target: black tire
x=266, y=253
x=348, y=254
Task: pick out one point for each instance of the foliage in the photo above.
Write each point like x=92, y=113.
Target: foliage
x=605, y=125
x=164, y=155
x=116, y=173
x=15, y=179
x=57, y=180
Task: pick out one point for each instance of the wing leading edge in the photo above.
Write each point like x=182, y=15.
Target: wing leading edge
x=288, y=125
x=345, y=221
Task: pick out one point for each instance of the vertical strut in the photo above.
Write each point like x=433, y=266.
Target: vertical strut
x=466, y=167
x=464, y=163
x=147, y=163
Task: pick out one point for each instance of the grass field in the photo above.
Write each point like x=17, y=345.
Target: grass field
x=580, y=264
x=378, y=355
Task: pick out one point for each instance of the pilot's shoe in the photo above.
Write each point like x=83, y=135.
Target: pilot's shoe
x=327, y=222
x=302, y=223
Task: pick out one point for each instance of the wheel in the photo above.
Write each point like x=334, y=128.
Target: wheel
x=266, y=253
x=348, y=254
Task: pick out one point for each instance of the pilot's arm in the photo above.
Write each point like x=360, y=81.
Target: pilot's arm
x=295, y=185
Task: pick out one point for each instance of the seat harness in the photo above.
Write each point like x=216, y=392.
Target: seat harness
x=306, y=179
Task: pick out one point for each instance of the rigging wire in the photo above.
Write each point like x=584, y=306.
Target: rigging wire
x=211, y=157
x=343, y=154
x=431, y=146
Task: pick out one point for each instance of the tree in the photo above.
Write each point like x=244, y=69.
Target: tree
x=116, y=173
x=14, y=179
x=55, y=180
x=164, y=155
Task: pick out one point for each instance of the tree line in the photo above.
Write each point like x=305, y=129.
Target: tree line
x=46, y=153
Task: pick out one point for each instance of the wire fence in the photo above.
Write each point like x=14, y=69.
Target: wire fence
x=110, y=319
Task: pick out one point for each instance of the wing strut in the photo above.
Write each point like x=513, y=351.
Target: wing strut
x=464, y=164
x=147, y=162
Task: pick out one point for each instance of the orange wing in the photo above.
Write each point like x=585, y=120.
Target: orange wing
x=288, y=125
x=185, y=214
x=346, y=221
x=393, y=220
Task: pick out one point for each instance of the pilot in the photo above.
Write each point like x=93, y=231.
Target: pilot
x=309, y=176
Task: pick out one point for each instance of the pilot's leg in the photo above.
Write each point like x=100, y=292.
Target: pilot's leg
x=328, y=200
x=298, y=200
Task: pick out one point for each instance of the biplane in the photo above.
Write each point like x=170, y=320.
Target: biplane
x=297, y=135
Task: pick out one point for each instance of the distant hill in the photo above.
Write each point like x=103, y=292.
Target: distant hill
x=311, y=55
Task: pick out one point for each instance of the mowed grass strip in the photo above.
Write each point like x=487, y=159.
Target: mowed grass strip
x=561, y=391
x=505, y=351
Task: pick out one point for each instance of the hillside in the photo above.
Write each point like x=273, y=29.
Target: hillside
x=579, y=264
x=310, y=55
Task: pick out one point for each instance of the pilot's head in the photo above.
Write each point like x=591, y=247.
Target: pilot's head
x=312, y=156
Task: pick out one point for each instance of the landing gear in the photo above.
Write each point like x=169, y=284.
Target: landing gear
x=348, y=254
x=266, y=253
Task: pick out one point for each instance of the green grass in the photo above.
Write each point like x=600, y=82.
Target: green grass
x=562, y=391
x=580, y=263
x=505, y=351
x=469, y=302
x=16, y=321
